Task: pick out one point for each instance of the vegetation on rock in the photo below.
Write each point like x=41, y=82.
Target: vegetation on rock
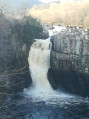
x=16, y=37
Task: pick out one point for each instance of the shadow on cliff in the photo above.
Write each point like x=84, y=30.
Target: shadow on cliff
x=69, y=81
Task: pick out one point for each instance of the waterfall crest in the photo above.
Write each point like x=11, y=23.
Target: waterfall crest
x=39, y=63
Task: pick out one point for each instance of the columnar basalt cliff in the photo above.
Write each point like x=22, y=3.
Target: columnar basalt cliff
x=70, y=52
x=70, y=61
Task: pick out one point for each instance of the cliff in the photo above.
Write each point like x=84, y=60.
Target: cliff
x=69, y=62
x=70, y=51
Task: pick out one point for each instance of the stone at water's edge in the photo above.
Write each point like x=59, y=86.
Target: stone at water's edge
x=69, y=60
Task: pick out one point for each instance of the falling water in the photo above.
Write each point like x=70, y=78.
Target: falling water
x=39, y=63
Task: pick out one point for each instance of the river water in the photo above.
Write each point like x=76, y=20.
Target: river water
x=27, y=107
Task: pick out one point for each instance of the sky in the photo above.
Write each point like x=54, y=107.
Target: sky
x=32, y=2
x=47, y=1
x=17, y=3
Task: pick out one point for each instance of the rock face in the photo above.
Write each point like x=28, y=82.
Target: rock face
x=70, y=52
x=70, y=62
x=5, y=41
x=69, y=81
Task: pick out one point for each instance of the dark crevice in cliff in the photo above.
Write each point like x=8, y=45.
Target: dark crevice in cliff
x=69, y=81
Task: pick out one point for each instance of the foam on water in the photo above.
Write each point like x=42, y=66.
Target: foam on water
x=56, y=30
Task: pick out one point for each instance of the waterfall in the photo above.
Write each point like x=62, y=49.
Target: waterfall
x=39, y=63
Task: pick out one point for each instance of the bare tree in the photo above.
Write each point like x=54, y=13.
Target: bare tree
x=4, y=7
x=23, y=8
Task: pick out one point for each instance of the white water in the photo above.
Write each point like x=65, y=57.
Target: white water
x=56, y=30
x=39, y=63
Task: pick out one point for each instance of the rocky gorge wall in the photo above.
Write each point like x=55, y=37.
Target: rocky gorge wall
x=70, y=52
x=70, y=62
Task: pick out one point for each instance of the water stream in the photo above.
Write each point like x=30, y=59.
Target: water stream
x=39, y=63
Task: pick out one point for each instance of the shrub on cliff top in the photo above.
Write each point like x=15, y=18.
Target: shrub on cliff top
x=32, y=29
